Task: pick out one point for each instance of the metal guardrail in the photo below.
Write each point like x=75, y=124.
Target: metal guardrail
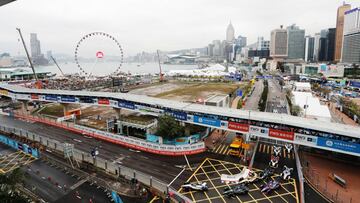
x=300, y=174
x=109, y=167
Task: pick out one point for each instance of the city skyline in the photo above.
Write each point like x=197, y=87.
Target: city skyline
x=195, y=28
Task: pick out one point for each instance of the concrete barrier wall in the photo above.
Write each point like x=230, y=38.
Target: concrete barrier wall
x=131, y=142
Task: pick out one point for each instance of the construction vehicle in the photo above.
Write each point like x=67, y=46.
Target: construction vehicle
x=235, y=146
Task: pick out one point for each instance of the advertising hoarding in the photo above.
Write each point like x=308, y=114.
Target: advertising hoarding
x=68, y=99
x=207, y=121
x=259, y=131
x=281, y=134
x=238, y=126
x=104, y=101
x=305, y=139
x=339, y=145
x=51, y=97
x=125, y=104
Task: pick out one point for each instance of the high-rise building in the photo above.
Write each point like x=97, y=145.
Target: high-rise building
x=35, y=45
x=339, y=30
x=296, y=42
x=241, y=41
x=309, y=48
x=230, y=33
x=316, y=46
x=210, y=50
x=278, y=43
x=263, y=44
x=351, y=39
x=330, y=42
x=217, y=48
x=48, y=55
x=322, y=45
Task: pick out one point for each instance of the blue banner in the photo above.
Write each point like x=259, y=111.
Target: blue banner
x=239, y=93
x=178, y=115
x=207, y=121
x=19, y=146
x=116, y=197
x=68, y=99
x=51, y=97
x=338, y=144
x=125, y=104
x=355, y=84
x=87, y=100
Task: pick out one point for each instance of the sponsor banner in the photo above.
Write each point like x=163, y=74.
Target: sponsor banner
x=4, y=92
x=148, y=109
x=125, y=104
x=68, y=117
x=259, y=131
x=34, y=96
x=339, y=145
x=306, y=139
x=178, y=115
x=19, y=146
x=22, y=96
x=51, y=97
x=238, y=126
x=87, y=100
x=68, y=99
x=104, y=101
x=281, y=134
x=207, y=121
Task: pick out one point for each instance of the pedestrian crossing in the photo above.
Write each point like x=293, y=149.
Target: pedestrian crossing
x=221, y=149
x=268, y=149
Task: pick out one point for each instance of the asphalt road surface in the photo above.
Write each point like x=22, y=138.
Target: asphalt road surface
x=164, y=168
x=276, y=100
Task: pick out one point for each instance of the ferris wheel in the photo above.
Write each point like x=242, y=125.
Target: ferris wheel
x=100, y=47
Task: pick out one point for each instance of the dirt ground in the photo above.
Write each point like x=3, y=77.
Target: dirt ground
x=192, y=92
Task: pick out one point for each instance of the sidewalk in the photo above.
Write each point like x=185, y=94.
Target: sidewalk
x=341, y=116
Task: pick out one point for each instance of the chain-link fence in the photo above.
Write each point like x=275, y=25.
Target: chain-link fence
x=111, y=168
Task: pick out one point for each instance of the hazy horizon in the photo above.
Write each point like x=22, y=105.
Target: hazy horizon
x=141, y=25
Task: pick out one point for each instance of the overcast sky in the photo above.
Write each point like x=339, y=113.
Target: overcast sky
x=147, y=25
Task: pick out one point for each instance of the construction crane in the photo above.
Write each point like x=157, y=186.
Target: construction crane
x=37, y=82
x=161, y=79
x=62, y=73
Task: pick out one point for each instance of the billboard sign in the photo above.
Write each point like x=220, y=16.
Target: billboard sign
x=238, y=126
x=34, y=96
x=178, y=115
x=281, y=134
x=239, y=93
x=305, y=139
x=104, y=101
x=207, y=121
x=126, y=104
x=339, y=145
x=51, y=97
x=259, y=131
x=68, y=99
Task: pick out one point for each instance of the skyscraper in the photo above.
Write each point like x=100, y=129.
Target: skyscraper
x=230, y=33
x=316, y=46
x=278, y=43
x=351, y=42
x=296, y=42
x=339, y=30
x=309, y=48
x=262, y=44
x=34, y=45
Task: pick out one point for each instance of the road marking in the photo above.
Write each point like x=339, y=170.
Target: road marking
x=225, y=150
x=213, y=183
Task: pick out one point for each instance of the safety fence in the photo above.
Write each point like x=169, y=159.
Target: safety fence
x=323, y=184
x=131, y=142
x=109, y=167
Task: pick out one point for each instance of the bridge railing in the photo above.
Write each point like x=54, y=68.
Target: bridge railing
x=131, y=142
x=112, y=168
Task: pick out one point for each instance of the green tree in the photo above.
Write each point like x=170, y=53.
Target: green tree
x=169, y=128
x=296, y=110
x=8, y=184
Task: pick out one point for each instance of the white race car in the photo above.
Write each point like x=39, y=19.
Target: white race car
x=245, y=176
x=195, y=186
x=288, y=147
x=277, y=150
x=286, y=174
